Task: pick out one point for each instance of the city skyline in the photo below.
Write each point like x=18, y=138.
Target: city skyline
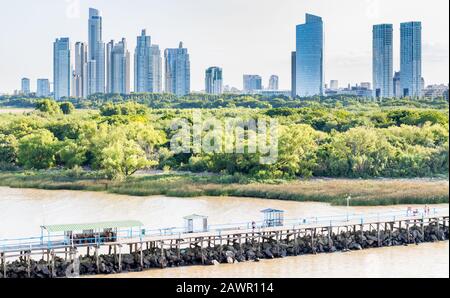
x=352, y=66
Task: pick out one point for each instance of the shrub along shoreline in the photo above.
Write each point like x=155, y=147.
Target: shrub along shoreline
x=373, y=192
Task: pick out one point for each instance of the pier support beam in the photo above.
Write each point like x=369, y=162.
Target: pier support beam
x=378, y=235
x=141, y=255
x=29, y=264
x=408, y=238
x=97, y=259
x=422, y=228
x=53, y=271
x=120, y=257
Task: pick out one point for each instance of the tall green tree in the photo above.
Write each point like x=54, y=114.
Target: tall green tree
x=48, y=106
x=66, y=107
x=37, y=150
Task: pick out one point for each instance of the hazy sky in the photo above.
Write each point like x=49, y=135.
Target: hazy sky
x=242, y=36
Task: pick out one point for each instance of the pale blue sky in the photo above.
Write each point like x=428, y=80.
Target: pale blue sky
x=242, y=36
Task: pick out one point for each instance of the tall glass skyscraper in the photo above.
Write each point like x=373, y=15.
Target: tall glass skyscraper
x=119, y=67
x=309, y=57
x=79, y=84
x=143, y=64
x=214, y=80
x=96, y=52
x=43, y=88
x=61, y=68
x=25, y=86
x=382, y=61
x=411, y=59
x=178, y=71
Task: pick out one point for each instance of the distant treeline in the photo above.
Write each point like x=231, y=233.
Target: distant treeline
x=205, y=101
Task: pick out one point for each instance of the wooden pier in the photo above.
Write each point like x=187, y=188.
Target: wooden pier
x=178, y=241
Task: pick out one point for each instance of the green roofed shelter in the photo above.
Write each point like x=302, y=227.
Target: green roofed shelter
x=92, y=226
x=88, y=233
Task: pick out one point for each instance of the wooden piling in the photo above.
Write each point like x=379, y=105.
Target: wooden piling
x=53, y=264
x=120, y=257
x=407, y=232
x=142, y=255
x=29, y=264
x=378, y=235
x=97, y=259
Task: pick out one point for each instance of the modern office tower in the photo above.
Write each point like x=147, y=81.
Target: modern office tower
x=157, y=69
x=43, y=88
x=109, y=48
x=79, y=82
x=252, y=83
x=61, y=68
x=334, y=84
x=178, y=71
x=293, y=74
x=411, y=59
x=273, y=82
x=96, y=52
x=119, y=67
x=309, y=58
x=396, y=85
x=25, y=86
x=143, y=64
x=382, y=61
x=214, y=80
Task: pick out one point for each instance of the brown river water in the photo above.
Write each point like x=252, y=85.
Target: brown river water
x=23, y=211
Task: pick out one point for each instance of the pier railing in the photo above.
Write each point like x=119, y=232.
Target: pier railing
x=60, y=240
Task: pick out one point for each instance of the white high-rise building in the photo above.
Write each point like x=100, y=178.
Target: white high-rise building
x=273, y=82
x=157, y=69
x=61, y=68
x=79, y=83
x=334, y=84
x=119, y=67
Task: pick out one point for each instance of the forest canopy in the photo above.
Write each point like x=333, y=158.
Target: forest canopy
x=324, y=138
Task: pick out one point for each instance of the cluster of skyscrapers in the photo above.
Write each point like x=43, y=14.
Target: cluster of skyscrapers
x=100, y=68
x=308, y=68
x=408, y=82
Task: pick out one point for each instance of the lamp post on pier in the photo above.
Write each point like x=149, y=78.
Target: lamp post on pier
x=348, y=206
